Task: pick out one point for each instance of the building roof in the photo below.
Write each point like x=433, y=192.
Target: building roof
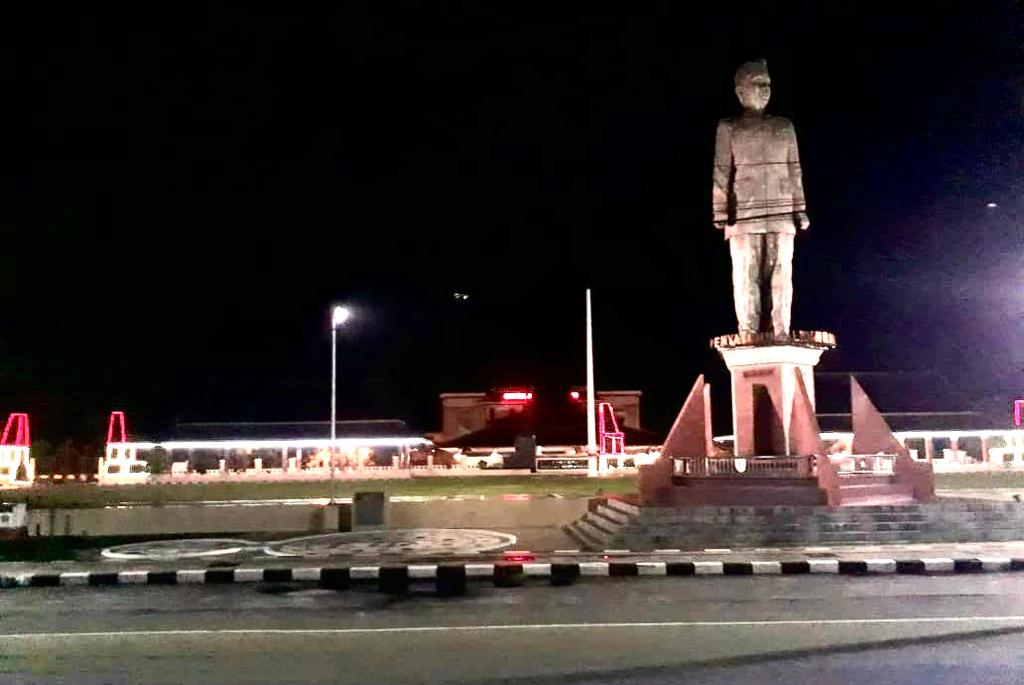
x=560, y=426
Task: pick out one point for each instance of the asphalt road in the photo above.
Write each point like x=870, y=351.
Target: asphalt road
x=905, y=629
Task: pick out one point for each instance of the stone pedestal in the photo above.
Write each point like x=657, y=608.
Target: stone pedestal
x=764, y=382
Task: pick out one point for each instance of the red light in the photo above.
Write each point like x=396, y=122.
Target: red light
x=1018, y=412
x=516, y=396
x=520, y=556
x=116, y=425
x=575, y=394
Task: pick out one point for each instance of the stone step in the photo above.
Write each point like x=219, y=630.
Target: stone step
x=606, y=526
x=614, y=514
x=586, y=535
x=622, y=506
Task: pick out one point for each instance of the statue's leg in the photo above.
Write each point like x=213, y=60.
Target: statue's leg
x=746, y=252
x=780, y=260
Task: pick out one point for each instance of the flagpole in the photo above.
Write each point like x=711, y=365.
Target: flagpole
x=591, y=399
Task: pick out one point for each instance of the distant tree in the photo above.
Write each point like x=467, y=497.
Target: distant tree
x=45, y=456
x=158, y=460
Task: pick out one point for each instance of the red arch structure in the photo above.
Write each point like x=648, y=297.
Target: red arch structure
x=21, y=437
x=612, y=440
x=17, y=467
x=116, y=424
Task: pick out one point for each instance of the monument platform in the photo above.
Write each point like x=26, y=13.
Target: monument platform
x=626, y=523
x=778, y=457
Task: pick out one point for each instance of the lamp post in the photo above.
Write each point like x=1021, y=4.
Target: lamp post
x=339, y=315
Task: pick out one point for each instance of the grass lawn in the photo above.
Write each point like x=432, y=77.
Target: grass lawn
x=979, y=481
x=91, y=495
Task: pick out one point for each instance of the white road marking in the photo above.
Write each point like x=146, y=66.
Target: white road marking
x=881, y=565
x=938, y=564
x=527, y=626
x=305, y=573
x=364, y=572
x=765, y=567
x=704, y=568
x=651, y=568
x=593, y=568
x=248, y=575
x=823, y=565
x=191, y=575
x=418, y=572
x=479, y=570
x=995, y=563
x=132, y=577
x=74, y=578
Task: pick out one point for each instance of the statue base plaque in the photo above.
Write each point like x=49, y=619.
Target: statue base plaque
x=764, y=370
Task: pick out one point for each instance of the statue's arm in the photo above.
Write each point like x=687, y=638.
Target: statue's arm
x=796, y=181
x=722, y=175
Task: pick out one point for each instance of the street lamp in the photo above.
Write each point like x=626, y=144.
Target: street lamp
x=339, y=315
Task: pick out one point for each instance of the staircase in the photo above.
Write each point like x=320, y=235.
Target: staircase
x=874, y=489
x=602, y=523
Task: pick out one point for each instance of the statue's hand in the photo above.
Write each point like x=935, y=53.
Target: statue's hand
x=801, y=221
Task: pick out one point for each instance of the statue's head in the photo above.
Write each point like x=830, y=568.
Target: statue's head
x=753, y=85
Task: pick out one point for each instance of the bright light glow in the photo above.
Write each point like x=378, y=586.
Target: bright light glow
x=575, y=394
x=991, y=205
x=340, y=315
x=516, y=396
x=520, y=556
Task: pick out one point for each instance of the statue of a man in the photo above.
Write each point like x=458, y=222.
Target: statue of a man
x=758, y=200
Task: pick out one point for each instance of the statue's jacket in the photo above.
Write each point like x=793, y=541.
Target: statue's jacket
x=757, y=179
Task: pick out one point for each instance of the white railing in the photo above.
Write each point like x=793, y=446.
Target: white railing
x=853, y=464
x=753, y=467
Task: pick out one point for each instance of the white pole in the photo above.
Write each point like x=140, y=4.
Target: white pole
x=591, y=401
x=334, y=380
x=334, y=398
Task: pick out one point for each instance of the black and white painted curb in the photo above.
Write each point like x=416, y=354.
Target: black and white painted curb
x=452, y=578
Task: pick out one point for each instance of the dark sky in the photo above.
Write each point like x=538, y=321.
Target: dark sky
x=185, y=192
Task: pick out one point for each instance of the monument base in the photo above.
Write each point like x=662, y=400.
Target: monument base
x=613, y=523
x=764, y=370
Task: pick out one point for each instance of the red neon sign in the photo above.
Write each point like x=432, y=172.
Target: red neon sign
x=516, y=396
x=1018, y=412
x=116, y=423
x=19, y=422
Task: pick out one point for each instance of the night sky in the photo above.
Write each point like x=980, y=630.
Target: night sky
x=185, y=193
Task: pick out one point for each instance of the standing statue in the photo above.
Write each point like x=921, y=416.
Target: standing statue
x=758, y=200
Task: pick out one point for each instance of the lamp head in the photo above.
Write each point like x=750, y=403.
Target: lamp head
x=339, y=315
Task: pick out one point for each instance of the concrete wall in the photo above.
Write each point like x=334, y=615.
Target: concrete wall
x=500, y=514
x=176, y=519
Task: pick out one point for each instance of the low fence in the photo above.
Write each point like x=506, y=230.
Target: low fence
x=753, y=467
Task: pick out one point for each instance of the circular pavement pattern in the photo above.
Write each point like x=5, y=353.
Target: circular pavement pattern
x=412, y=542
x=169, y=550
